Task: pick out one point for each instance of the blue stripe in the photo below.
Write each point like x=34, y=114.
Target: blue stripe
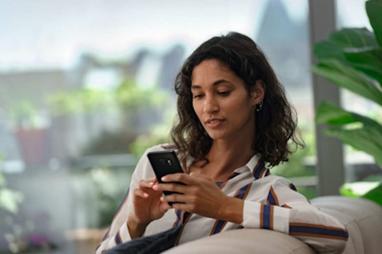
x=318, y=231
x=266, y=216
x=242, y=191
x=118, y=238
x=218, y=227
x=178, y=217
x=186, y=216
x=233, y=175
x=271, y=199
x=219, y=224
x=258, y=169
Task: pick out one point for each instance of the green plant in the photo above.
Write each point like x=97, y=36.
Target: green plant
x=9, y=199
x=352, y=59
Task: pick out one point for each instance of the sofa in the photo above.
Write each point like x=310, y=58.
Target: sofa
x=362, y=218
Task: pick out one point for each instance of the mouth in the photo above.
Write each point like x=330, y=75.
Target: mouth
x=214, y=122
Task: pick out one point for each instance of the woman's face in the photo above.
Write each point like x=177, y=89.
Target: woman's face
x=220, y=100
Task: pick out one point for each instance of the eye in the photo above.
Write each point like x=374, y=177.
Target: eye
x=197, y=96
x=224, y=93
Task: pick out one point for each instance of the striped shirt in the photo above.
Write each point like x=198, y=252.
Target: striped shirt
x=270, y=202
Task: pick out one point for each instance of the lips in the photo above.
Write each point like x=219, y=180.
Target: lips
x=214, y=122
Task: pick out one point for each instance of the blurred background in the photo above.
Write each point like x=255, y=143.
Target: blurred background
x=86, y=86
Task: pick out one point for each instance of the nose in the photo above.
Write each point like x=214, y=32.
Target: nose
x=211, y=105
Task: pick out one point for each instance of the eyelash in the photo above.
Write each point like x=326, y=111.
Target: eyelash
x=223, y=93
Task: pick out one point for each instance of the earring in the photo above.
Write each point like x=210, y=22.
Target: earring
x=259, y=107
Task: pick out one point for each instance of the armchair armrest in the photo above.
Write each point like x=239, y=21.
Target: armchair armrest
x=244, y=241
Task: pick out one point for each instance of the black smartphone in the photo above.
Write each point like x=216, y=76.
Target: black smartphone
x=164, y=163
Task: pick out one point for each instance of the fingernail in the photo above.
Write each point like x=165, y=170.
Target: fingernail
x=164, y=178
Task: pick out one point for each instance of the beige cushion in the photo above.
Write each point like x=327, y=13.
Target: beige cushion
x=254, y=241
x=362, y=218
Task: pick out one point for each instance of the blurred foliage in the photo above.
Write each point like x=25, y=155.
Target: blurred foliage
x=78, y=101
x=159, y=134
x=297, y=163
x=129, y=99
x=9, y=199
x=128, y=96
x=368, y=190
x=117, y=142
x=24, y=114
x=309, y=192
x=110, y=192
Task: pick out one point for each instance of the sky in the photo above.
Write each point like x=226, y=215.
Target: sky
x=52, y=33
x=43, y=34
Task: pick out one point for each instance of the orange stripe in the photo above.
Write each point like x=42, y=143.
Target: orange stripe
x=261, y=215
x=286, y=206
x=275, y=196
x=271, y=218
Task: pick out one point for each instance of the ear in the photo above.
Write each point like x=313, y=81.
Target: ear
x=257, y=92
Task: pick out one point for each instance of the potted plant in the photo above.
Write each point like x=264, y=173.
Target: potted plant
x=352, y=59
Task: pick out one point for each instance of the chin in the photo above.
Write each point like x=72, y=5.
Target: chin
x=214, y=135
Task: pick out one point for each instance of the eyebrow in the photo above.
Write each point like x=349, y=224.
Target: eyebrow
x=216, y=83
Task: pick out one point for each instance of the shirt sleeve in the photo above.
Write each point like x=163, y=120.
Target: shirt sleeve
x=118, y=231
x=285, y=210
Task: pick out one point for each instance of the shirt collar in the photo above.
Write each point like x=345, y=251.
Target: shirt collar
x=255, y=165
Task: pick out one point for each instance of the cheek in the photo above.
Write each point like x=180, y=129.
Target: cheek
x=197, y=109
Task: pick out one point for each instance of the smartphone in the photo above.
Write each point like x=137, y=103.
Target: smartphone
x=164, y=163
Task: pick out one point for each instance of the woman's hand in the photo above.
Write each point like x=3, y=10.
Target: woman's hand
x=200, y=195
x=147, y=206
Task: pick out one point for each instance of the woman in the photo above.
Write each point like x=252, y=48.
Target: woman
x=234, y=124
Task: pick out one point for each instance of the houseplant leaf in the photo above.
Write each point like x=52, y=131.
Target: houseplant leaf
x=360, y=139
x=375, y=194
x=366, y=60
x=353, y=38
x=374, y=12
x=349, y=78
x=361, y=132
x=328, y=113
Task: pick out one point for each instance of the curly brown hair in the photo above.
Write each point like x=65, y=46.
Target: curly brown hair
x=275, y=123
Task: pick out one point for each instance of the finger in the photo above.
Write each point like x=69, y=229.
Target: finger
x=146, y=183
x=180, y=177
x=180, y=188
x=183, y=207
x=176, y=198
x=140, y=193
x=164, y=206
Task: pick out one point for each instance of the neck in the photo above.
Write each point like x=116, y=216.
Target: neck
x=227, y=155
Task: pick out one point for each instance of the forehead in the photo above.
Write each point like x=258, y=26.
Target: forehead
x=208, y=71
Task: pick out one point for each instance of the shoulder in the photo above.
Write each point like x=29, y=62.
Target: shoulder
x=278, y=182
